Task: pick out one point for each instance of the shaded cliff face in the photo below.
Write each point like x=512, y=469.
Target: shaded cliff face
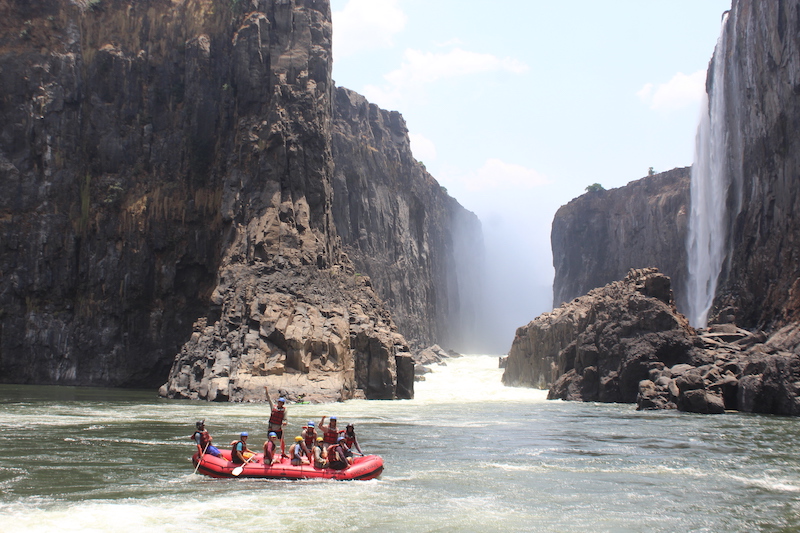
x=599, y=236
x=169, y=162
x=762, y=98
x=422, y=250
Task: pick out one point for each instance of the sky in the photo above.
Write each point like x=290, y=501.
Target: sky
x=516, y=106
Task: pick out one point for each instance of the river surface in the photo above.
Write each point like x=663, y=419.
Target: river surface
x=466, y=455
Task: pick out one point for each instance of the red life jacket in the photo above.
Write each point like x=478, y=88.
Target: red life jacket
x=234, y=458
x=270, y=451
x=205, y=438
x=349, y=440
x=330, y=436
x=311, y=437
x=276, y=417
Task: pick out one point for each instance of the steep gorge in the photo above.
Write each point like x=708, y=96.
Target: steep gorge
x=167, y=187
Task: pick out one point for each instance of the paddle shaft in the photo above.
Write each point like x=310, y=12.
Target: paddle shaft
x=200, y=460
x=238, y=470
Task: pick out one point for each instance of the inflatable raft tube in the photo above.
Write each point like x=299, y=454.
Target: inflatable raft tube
x=367, y=467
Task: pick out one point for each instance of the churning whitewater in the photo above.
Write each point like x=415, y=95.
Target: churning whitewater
x=467, y=454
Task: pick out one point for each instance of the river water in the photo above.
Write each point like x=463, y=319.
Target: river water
x=466, y=455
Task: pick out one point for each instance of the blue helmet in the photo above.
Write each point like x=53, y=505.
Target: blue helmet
x=243, y=434
x=272, y=434
x=311, y=424
x=282, y=399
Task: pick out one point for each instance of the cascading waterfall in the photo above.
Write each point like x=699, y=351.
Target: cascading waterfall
x=708, y=232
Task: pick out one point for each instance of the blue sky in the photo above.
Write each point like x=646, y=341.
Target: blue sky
x=516, y=106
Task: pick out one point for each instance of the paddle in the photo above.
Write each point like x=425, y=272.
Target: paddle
x=201, y=458
x=238, y=470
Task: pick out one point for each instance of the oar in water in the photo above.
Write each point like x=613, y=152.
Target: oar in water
x=200, y=460
x=238, y=470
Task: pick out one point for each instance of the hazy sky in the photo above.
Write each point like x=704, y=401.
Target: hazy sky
x=516, y=106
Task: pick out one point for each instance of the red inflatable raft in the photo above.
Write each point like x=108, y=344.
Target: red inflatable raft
x=367, y=467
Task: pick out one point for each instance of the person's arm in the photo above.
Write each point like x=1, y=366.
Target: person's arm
x=266, y=391
x=321, y=426
x=355, y=442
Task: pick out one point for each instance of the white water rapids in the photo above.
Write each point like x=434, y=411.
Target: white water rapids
x=468, y=454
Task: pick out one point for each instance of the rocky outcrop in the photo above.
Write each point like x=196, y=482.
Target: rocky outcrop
x=422, y=250
x=597, y=237
x=626, y=342
x=167, y=176
x=598, y=347
x=762, y=83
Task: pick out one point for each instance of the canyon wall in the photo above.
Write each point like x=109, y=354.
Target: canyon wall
x=167, y=187
x=599, y=236
x=760, y=283
x=421, y=248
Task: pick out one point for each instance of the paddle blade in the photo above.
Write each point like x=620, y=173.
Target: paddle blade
x=238, y=470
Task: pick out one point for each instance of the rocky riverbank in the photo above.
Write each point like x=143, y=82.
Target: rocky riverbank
x=626, y=342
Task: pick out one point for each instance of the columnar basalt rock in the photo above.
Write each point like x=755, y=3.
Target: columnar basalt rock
x=166, y=175
x=762, y=83
x=422, y=249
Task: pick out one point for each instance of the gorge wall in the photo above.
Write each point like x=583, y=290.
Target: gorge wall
x=166, y=179
x=760, y=283
x=421, y=248
x=756, y=369
x=599, y=236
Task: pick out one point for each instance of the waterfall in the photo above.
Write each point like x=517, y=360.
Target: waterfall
x=708, y=220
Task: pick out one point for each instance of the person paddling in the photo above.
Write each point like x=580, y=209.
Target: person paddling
x=203, y=439
x=277, y=418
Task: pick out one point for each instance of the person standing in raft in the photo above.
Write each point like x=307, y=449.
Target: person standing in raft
x=203, y=440
x=239, y=452
x=270, y=447
x=330, y=433
x=336, y=457
x=298, y=452
x=277, y=418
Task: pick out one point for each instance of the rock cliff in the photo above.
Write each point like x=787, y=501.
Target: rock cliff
x=421, y=248
x=167, y=188
x=761, y=285
x=599, y=236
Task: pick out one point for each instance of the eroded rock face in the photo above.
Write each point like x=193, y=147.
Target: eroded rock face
x=762, y=83
x=421, y=248
x=598, y=347
x=599, y=236
x=166, y=175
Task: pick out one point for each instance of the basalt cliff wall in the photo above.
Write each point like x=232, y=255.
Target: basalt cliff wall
x=760, y=284
x=599, y=236
x=421, y=248
x=166, y=187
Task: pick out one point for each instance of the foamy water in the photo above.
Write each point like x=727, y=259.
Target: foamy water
x=467, y=454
